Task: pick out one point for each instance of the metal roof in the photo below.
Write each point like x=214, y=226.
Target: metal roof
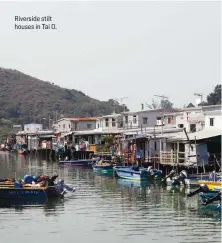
x=204, y=134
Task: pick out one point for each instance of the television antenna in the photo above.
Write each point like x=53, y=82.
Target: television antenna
x=120, y=100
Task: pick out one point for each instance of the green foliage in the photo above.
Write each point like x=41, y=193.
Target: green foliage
x=107, y=139
x=190, y=105
x=214, y=98
x=163, y=104
x=25, y=99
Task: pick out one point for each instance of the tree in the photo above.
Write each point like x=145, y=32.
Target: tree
x=190, y=105
x=164, y=104
x=214, y=98
x=153, y=105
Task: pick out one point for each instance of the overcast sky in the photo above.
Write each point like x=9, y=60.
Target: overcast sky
x=113, y=50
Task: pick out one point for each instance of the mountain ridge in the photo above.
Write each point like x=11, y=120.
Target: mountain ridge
x=25, y=99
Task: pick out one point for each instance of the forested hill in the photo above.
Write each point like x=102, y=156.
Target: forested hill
x=23, y=98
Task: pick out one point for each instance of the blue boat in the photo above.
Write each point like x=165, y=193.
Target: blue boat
x=208, y=195
x=132, y=173
x=81, y=162
x=32, y=187
x=103, y=168
x=211, y=200
x=189, y=180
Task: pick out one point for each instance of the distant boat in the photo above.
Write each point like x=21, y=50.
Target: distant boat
x=81, y=162
x=132, y=173
x=189, y=179
x=103, y=167
x=212, y=185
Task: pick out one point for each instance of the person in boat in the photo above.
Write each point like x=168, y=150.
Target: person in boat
x=44, y=180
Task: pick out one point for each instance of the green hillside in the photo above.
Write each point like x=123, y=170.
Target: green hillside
x=25, y=99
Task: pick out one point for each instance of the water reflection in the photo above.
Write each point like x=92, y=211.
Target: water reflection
x=105, y=209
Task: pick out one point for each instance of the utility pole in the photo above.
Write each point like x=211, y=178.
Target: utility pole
x=163, y=109
x=201, y=97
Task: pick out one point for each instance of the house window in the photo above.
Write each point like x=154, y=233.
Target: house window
x=98, y=125
x=69, y=125
x=180, y=125
x=126, y=119
x=107, y=122
x=158, y=121
x=211, y=122
x=64, y=126
x=113, y=122
x=145, y=120
x=192, y=127
x=155, y=145
x=134, y=120
x=89, y=126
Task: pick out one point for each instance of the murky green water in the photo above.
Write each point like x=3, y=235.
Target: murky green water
x=104, y=210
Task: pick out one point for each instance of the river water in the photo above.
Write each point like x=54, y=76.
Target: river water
x=104, y=209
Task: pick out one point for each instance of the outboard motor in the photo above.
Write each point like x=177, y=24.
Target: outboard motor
x=183, y=176
x=176, y=181
x=172, y=173
x=62, y=188
x=150, y=170
x=202, y=188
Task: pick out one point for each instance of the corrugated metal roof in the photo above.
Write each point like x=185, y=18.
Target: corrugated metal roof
x=204, y=134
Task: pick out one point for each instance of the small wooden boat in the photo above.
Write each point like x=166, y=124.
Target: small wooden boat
x=132, y=173
x=18, y=191
x=82, y=162
x=27, y=188
x=212, y=185
x=103, y=167
x=189, y=180
x=209, y=198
